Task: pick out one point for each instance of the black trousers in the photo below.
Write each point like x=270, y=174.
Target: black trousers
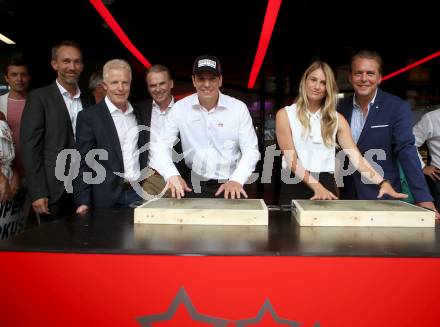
x=302, y=191
x=63, y=207
x=207, y=188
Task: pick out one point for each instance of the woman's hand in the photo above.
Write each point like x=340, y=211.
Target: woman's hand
x=321, y=193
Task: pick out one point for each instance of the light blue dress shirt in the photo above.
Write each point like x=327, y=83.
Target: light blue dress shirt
x=358, y=119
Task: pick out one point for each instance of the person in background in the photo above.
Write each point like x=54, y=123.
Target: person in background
x=96, y=87
x=307, y=132
x=153, y=114
x=17, y=76
x=428, y=130
x=9, y=177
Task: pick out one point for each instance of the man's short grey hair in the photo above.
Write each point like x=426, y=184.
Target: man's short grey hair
x=65, y=43
x=158, y=69
x=115, y=64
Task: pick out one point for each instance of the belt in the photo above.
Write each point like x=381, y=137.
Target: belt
x=153, y=171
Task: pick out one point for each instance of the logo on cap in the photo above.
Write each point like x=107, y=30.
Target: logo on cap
x=207, y=62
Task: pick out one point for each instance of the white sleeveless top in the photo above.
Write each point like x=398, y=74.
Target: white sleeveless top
x=313, y=154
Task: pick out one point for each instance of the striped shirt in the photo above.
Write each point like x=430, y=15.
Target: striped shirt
x=358, y=118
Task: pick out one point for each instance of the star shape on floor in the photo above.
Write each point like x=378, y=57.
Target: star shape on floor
x=267, y=306
x=181, y=298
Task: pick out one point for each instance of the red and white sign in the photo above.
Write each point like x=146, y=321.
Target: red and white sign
x=147, y=290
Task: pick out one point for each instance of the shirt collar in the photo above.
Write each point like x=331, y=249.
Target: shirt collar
x=112, y=108
x=221, y=103
x=66, y=93
x=156, y=106
x=357, y=107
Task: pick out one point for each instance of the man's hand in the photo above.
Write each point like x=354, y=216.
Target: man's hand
x=430, y=206
x=231, y=188
x=177, y=186
x=82, y=209
x=387, y=188
x=41, y=206
x=432, y=172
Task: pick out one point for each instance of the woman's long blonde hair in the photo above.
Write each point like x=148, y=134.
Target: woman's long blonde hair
x=328, y=106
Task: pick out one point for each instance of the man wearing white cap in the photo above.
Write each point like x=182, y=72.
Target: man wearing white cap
x=218, y=139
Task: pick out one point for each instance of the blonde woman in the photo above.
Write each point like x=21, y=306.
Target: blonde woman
x=307, y=132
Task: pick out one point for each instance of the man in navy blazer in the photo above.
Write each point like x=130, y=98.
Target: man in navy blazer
x=108, y=139
x=381, y=124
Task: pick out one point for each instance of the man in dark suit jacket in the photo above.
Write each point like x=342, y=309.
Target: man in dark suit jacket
x=108, y=140
x=153, y=114
x=380, y=122
x=47, y=127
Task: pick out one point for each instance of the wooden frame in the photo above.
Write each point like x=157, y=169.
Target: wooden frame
x=386, y=213
x=203, y=212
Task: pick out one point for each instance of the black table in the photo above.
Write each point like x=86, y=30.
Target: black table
x=113, y=231
x=102, y=270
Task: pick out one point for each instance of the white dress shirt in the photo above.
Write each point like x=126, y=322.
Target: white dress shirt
x=428, y=130
x=218, y=144
x=128, y=134
x=312, y=152
x=73, y=104
x=158, y=121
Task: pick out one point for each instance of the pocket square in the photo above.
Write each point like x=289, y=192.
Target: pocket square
x=379, y=126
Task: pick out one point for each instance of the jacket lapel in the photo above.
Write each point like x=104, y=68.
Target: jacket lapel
x=85, y=102
x=142, y=111
x=143, y=117
x=59, y=103
x=371, y=118
x=148, y=113
x=346, y=109
x=109, y=125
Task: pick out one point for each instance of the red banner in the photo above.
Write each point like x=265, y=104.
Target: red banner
x=43, y=289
